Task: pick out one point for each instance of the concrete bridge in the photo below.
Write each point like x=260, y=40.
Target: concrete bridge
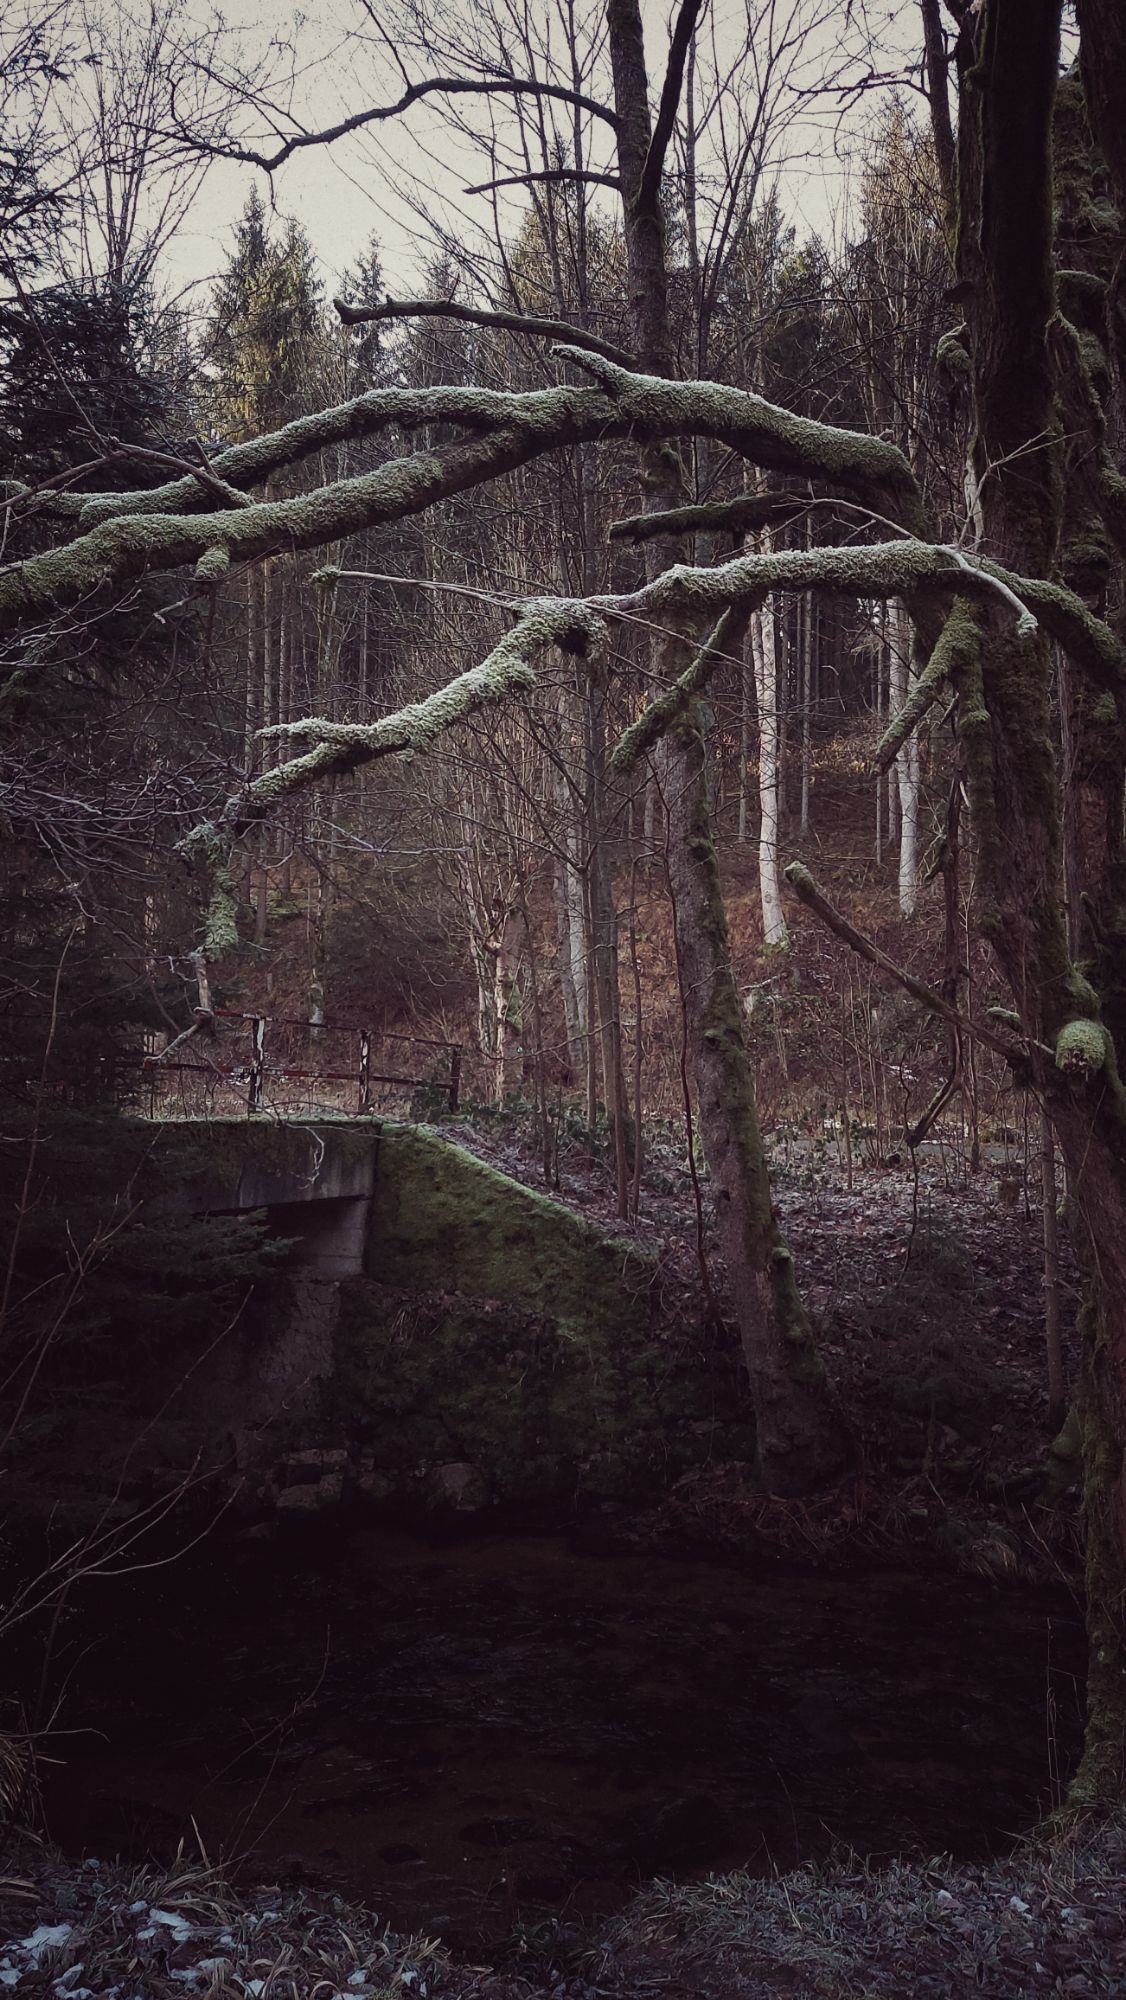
x=438, y=1333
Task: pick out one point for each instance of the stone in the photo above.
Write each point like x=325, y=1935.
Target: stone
x=304, y=1461
x=460, y=1486
x=375, y=1486
x=300, y=1499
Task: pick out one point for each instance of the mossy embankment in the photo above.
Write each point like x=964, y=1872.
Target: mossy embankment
x=288, y=1315
x=499, y=1333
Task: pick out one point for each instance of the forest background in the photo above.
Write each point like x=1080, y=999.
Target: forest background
x=537, y=881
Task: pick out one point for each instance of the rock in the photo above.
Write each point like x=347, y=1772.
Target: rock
x=458, y=1486
x=299, y=1467
x=300, y=1499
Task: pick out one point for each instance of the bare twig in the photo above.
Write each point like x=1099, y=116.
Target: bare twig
x=509, y=322
x=807, y=892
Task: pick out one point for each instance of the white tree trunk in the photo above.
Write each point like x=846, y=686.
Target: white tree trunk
x=573, y=954
x=907, y=761
x=507, y=945
x=805, y=632
x=764, y=652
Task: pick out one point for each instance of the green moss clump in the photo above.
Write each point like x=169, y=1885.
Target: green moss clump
x=951, y=353
x=1081, y=1048
x=443, y=1221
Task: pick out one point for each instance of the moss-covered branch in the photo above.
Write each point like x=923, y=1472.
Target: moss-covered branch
x=960, y=632
x=807, y=892
x=744, y=514
x=769, y=436
x=676, y=700
x=643, y=408
x=136, y=534
x=341, y=747
x=888, y=569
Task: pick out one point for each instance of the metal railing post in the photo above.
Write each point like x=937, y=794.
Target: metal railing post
x=455, y=1078
x=257, y=1061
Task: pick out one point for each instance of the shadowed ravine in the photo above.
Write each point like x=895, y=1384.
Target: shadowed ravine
x=496, y=1731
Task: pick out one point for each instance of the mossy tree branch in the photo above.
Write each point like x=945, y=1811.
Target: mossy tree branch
x=960, y=631
x=889, y=569
x=342, y=747
x=746, y=513
x=161, y=530
x=637, y=408
x=660, y=715
x=807, y=892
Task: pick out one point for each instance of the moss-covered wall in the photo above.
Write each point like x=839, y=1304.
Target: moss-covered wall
x=498, y=1348
x=498, y=1330
x=545, y=1414
x=443, y=1221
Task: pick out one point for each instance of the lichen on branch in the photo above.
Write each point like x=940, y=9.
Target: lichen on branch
x=340, y=747
x=129, y=535
x=660, y=715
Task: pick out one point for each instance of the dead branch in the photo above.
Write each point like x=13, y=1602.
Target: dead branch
x=509, y=322
x=679, y=45
x=446, y=86
x=552, y=176
x=807, y=892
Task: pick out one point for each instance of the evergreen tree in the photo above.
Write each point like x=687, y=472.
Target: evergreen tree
x=266, y=329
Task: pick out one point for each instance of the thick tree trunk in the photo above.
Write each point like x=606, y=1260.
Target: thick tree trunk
x=798, y=1438
x=1010, y=69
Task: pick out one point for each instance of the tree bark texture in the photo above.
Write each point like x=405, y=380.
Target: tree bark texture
x=1005, y=254
x=799, y=1443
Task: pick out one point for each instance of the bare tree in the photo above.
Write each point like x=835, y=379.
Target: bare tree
x=1049, y=508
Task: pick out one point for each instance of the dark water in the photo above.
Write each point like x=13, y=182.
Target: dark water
x=501, y=1731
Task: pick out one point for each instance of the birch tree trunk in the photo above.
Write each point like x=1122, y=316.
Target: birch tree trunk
x=907, y=759
x=507, y=946
x=764, y=649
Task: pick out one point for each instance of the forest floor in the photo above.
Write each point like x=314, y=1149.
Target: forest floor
x=1048, y=1921
x=925, y=1289
x=927, y=1298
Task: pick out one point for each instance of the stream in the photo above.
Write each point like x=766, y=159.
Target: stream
x=502, y=1731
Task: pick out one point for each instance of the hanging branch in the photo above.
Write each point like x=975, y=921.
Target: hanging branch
x=807, y=892
x=342, y=747
x=662, y=713
x=957, y=643
x=509, y=322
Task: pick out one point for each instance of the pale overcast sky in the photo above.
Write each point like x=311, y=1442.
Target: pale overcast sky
x=343, y=193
